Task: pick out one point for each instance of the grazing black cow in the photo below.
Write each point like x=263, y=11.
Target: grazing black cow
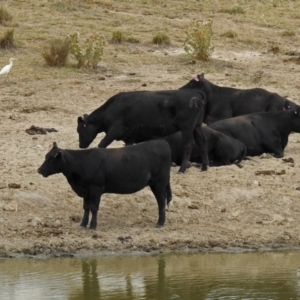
x=138, y=116
x=226, y=102
x=221, y=149
x=126, y=170
x=264, y=132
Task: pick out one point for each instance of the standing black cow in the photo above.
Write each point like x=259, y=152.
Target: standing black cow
x=138, y=116
x=226, y=102
x=264, y=132
x=221, y=149
x=93, y=172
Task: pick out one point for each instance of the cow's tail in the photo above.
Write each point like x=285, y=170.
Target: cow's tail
x=169, y=193
x=197, y=102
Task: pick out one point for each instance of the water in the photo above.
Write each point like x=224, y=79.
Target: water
x=268, y=275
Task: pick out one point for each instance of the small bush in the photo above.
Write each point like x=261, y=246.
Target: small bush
x=94, y=47
x=230, y=34
x=56, y=53
x=7, y=41
x=117, y=37
x=197, y=43
x=5, y=16
x=161, y=39
x=235, y=10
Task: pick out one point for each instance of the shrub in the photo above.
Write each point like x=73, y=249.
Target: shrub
x=117, y=37
x=161, y=39
x=7, y=41
x=197, y=43
x=94, y=47
x=5, y=16
x=56, y=53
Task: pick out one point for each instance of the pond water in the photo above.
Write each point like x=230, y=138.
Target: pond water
x=262, y=275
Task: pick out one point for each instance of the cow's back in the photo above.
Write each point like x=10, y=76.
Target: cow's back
x=131, y=168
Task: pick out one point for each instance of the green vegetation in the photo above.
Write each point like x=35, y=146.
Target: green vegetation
x=117, y=37
x=161, y=39
x=94, y=47
x=198, y=41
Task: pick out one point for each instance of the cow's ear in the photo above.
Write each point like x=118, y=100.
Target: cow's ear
x=201, y=76
x=54, y=145
x=58, y=154
x=81, y=120
x=296, y=110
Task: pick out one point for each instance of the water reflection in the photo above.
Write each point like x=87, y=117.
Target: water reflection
x=190, y=276
x=90, y=283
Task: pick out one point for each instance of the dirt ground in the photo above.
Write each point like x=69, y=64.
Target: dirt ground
x=226, y=208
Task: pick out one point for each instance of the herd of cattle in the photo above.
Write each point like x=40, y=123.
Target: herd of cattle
x=164, y=127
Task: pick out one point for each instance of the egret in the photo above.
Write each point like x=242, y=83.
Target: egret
x=5, y=70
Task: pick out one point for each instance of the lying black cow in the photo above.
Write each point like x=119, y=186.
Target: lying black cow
x=126, y=170
x=221, y=149
x=264, y=132
x=226, y=102
x=138, y=116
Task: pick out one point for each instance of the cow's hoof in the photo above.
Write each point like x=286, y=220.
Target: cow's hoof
x=180, y=173
x=82, y=227
x=159, y=226
x=203, y=168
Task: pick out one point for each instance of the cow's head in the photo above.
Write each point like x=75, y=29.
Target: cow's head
x=199, y=82
x=53, y=163
x=295, y=119
x=87, y=132
x=288, y=104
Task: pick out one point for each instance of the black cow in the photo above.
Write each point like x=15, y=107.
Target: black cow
x=221, y=149
x=126, y=170
x=264, y=132
x=141, y=115
x=226, y=102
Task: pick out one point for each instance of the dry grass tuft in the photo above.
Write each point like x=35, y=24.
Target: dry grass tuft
x=7, y=41
x=235, y=10
x=288, y=33
x=5, y=16
x=117, y=37
x=230, y=34
x=161, y=39
x=56, y=53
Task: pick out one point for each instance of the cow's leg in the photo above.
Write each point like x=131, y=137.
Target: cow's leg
x=160, y=193
x=95, y=195
x=273, y=144
x=201, y=141
x=278, y=154
x=86, y=207
x=187, y=143
x=112, y=134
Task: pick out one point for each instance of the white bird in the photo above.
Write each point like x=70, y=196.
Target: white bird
x=5, y=70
